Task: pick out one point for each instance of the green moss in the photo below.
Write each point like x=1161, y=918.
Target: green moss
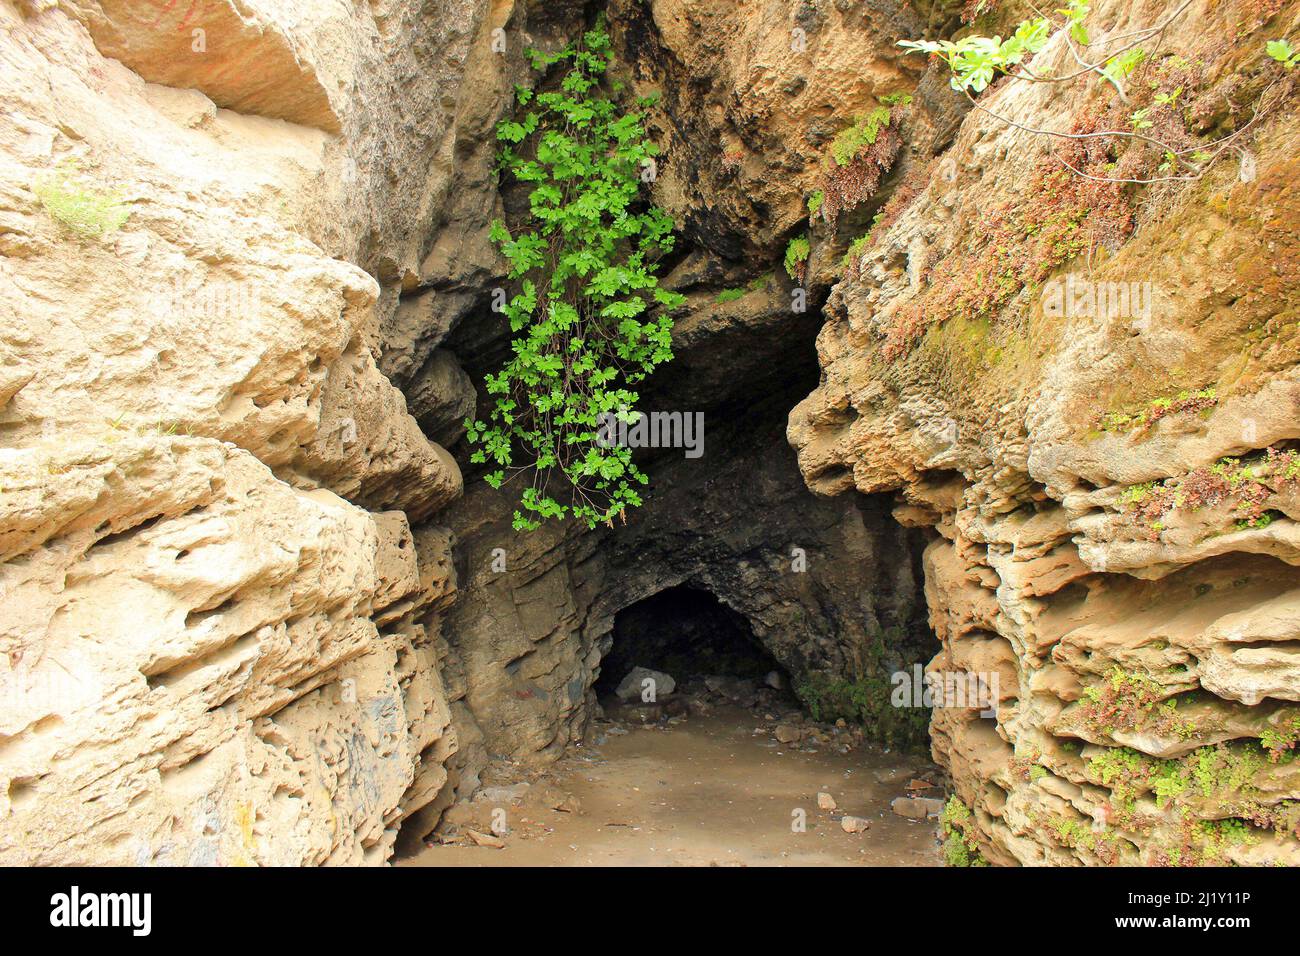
x=856, y=248
x=1201, y=400
x=848, y=142
x=84, y=211
x=895, y=99
x=865, y=699
x=962, y=351
x=796, y=253
x=729, y=295
x=815, y=202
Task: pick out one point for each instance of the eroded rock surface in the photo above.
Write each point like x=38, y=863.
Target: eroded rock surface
x=1113, y=486
x=819, y=583
x=248, y=616
x=221, y=639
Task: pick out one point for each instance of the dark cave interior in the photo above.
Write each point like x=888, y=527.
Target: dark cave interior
x=685, y=632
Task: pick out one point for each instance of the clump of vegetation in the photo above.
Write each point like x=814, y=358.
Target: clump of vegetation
x=1247, y=483
x=1140, y=422
x=1281, y=741
x=583, y=323
x=1220, y=781
x=1222, y=770
x=1075, y=834
x=865, y=699
x=1221, y=775
x=1283, y=817
x=739, y=292
x=864, y=132
x=1028, y=768
x=88, y=213
x=1128, y=702
x=905, y=193
x=851, y=264
x=815, y=202
x=1020, y=245
x=960, y=848
x=1085, y=192
x=1284, y=53
x=1127, y=773
x=860, y=156
x=796, y=258
x=1204, y=843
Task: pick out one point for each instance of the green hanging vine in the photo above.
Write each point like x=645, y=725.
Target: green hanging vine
x=581, y=322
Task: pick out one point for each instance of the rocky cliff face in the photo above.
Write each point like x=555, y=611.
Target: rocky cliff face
x=1111, y=474
x=251, y=617
x=220, y=634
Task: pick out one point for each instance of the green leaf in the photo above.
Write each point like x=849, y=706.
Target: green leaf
x=589, y=317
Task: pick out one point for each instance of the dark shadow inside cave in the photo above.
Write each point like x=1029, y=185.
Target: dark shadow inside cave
x=687, y=633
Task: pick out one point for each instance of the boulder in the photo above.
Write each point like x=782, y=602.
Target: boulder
x=917, y=808
x=634, y=686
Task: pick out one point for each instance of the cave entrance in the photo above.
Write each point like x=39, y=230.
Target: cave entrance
x=690, y=635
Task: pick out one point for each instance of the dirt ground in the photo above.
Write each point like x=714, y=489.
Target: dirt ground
x=714, y=790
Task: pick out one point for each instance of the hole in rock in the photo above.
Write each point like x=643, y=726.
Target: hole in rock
x=690, y=635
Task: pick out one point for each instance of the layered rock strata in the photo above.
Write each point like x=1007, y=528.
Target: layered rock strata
x=220, y=632
x=1107, y=451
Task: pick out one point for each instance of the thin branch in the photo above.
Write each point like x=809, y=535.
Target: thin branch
x=1260, y=110
x=1096, y=68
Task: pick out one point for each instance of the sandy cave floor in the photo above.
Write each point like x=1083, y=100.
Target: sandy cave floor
x=713, y=790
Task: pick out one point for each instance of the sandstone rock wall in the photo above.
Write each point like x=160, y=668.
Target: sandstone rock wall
x=246, y=301
x=819, y=581
x=1114, y=487
x=221, y=637
x=751, y=96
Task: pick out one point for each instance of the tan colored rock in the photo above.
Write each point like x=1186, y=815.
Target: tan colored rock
x=486, y=839
x=916, y=808
x=12, y=380
x=752, y=97
x=992, y=433
x=191, y=659
x=788, y=733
